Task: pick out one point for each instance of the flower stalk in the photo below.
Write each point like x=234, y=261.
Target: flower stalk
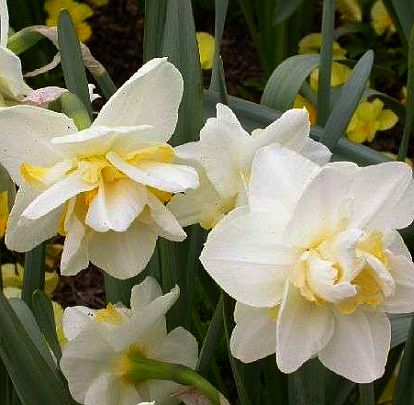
x=141, y=368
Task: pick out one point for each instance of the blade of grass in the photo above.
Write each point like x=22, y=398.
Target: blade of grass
x=72, y=61
x=43, y=312
x=409, y=122
x=348, y=101
x=404, y=387
x=34, y=273
x=286, y=80
x=324, y=82
x=228, y=308
x=155, y=11
x=366, y=394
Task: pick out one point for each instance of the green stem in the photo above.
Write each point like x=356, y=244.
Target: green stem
x=142, y=369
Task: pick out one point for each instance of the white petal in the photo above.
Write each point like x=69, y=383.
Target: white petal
x=316, y=152
x=75, y=320
x=26, y=134
x=56, y=195
x=179, y=347
x=116, y=205
x=151, y=96
x=99, y=140
x=382, y=196
x=167, y=177
x=321, y=209
x=83, y=360
x=254, y=336
x=166, y=225
x=278, y=179
x=402, y=271
x=144, y=293
x=23, y=234
x=4, y=23
x=395, y=244
x=291, y=130
x=190, y=151
x=123, y=254
x=75, y=255
x=12, y=84
x=226, y=151
x=244, y=256
x=359, y=346
x=303, y=329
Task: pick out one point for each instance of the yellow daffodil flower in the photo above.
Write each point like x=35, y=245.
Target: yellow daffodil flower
x=13, y=277
x=380, y=19
x=339, y=75
x=205, y=43
x=349, y=10
x=311, y=43
x=302, y=102
x=78, y=11
x=370, y=117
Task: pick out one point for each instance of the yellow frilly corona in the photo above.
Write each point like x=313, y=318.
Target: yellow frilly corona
x=370, y=117
x=380, y=19
x=79, y=12
x=205, y=43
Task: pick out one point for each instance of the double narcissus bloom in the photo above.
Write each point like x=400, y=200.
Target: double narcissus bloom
x=223, y=158
x=104, y=347
x=105, y=187
x=315, y=262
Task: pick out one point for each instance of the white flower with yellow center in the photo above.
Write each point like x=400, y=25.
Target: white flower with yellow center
x=103, y=345
x=316, y=264
x=104, y=187
x=223, y=159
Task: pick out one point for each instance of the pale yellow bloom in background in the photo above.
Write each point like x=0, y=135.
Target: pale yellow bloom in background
x=79, y=12
x=380, y=19
x=311, y=43
x=349, y=10
x=205, y=43
x=370, y=117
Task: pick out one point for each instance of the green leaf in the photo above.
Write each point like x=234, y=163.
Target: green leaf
x=409, y=122
x=286, y=80
x=34, y=377
x=402, y=13
x=284, y=9
x=307, y=385
x=34, y=273
x=348, y=101
x=23, y=40
x=5, y=386
x=366, y=394
x=73, y=107
x=325, y=70
x=214, y=333
x=404, y=387
x=228, y=309
x=180, y=45
x=155, y=11
x=43, y=312
x=120, y=290
x=72, y=61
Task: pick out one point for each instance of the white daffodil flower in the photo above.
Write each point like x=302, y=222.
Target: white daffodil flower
x=103, y=344
x=316, y=264
x=104, y=187
x=12, y=85
x=223, y=159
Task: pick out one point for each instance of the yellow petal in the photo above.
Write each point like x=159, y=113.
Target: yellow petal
x=51, y=282
x=206, y=49
x=387, y=120
x=356, y=136
x=380, y=19
x=349, y=9
x=302, y=102
x=4, y=212
x=84, y=31
x=311, y=43
x=12, y=275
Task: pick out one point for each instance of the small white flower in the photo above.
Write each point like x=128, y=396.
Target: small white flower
x=105, y=187
x=223, y=159
x=101, y=342
x=317, y=263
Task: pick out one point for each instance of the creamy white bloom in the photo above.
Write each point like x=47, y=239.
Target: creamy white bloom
x=101, y=343
x=223, y=159
x=12, y=85
x=104, y=187
x=316, y=264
